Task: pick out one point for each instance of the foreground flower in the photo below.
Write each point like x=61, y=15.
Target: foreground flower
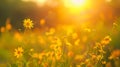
x=18, y=52
x=28, y=23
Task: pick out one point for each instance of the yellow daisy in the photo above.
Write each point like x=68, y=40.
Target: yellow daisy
x=18, y=52
x=106, y=40
x=28, y=23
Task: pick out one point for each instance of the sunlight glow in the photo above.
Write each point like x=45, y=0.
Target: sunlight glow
x=108, y=0
x=74, y=3
x=41, y=2
x=38, y=2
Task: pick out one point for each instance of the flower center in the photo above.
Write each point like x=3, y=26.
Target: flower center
x=18, y=52
x=28, y=24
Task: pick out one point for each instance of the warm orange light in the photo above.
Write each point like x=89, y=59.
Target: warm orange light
x=41, y=2
x=74, y=3
x=38, y=2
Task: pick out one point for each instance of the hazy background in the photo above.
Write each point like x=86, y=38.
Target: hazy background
x=17, y=10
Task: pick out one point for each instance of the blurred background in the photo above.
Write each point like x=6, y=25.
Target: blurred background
x=56, y=11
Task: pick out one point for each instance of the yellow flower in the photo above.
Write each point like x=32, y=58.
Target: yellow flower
x=41, y=55
x=103, y=62
x=79, y=58
x=58, y=55
x=18, y=52
x=99, y=57
x=87, y=61
x=106, y=40
x=101, y=51
x=28, y=23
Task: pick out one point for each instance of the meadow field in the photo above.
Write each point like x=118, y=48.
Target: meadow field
x=62, y=46
x=64, y=43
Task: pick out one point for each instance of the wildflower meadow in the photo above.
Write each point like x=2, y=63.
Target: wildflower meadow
x=67, y=37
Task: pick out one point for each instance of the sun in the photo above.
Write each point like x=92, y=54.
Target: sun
x=77, y=2
x=74, y=6
x=74, y=3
